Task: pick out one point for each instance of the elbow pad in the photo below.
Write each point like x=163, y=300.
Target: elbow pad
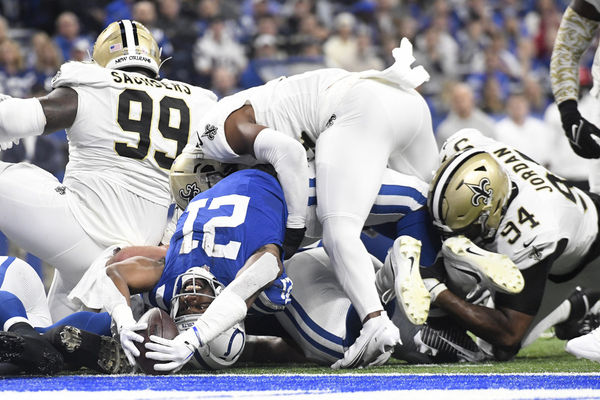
x=288, y=157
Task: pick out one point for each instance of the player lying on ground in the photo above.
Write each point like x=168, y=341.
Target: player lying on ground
x=323, y=323
x=234, y=229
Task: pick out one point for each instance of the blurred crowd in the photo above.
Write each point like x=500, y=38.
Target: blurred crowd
x=488, y=59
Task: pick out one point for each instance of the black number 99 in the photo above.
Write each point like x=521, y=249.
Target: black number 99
x=142, y=125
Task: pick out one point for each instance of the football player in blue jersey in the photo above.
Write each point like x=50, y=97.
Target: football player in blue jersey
x=234, y=232
x=399, y=209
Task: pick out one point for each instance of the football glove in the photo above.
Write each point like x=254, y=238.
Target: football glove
x=583, y=136
x=175, y=353
x=127, y=336
x=291, y=241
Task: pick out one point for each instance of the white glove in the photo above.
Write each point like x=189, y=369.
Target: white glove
x=176, y=353
x=126, y=325
x=8, y=144
x=374, y=346
x=127, y=336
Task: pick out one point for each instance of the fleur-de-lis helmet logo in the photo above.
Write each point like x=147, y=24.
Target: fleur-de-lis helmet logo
x=482, y=193
x=189, y=192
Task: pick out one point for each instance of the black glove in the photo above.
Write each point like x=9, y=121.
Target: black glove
x=579, y=131
x=291, y=241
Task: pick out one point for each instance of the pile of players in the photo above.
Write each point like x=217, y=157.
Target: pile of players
x=314, y=209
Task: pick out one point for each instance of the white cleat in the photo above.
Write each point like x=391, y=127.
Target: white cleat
x=586, y=346
x=411, y=294
x=374, y=346
x=492, y=270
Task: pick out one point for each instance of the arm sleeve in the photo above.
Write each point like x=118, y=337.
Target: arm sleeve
x=573, y=38
x=288, y=157
x=21, y=118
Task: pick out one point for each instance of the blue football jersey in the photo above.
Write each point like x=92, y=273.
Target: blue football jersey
x=221, y=228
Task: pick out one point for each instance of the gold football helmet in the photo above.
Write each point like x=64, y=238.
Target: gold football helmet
x=125, y=44
x=192, y=174
x=469, y=195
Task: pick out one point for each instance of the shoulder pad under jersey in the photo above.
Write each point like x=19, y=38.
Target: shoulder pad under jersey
x=75, y=73
x=463, y=139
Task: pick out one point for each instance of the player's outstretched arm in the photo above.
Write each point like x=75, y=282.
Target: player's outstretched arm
x=20, y=118
x=136, y=274
x=503, y=328
x=228, y=308
x=60, y=109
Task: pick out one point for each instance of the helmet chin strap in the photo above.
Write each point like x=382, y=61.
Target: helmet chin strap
x=486, y=232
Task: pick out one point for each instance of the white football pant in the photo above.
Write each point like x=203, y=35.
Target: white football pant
x=376, y=125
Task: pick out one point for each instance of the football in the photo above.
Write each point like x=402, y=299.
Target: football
x=159, y=324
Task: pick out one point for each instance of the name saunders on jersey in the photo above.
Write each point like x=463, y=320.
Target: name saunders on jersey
x=122, y=77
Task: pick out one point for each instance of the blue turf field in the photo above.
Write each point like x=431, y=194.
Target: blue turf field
x=329, y=383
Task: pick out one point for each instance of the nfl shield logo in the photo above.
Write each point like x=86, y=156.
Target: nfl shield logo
x=115, y=47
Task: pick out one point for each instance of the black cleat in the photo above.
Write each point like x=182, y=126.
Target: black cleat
x=86, y=349
x=30, y=354
x=451, y=344
x=580, y=320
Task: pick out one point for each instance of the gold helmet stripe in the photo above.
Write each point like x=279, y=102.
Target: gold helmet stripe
x=439, y=187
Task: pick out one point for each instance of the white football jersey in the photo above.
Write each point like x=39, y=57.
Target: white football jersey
x=302, y=106
x=129, y=128
x=299, y=104
x=545, y=209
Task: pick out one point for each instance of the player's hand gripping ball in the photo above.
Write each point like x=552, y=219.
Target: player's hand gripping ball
x=159, y=324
